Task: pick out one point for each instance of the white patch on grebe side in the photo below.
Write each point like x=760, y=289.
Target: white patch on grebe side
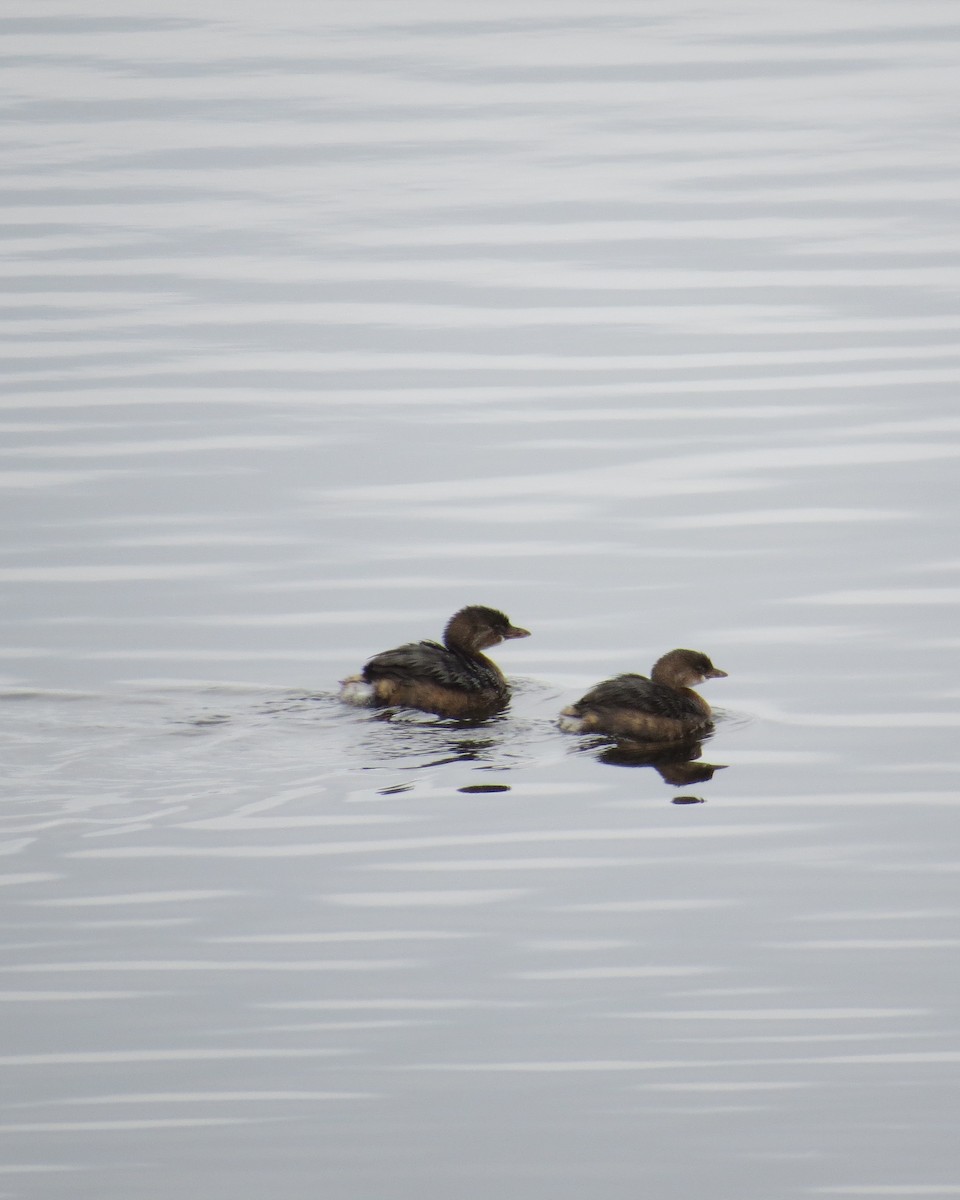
x=570, y=723
x=355, y=691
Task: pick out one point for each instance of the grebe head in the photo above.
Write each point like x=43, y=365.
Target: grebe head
x=477, y=628
x=684, y=669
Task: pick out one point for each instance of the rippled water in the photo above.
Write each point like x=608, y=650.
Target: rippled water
x=638, y=322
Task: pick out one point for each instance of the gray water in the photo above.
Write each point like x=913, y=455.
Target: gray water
x=636, y=321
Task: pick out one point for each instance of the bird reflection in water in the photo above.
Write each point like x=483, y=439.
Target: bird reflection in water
x=414, y=742
x=677, y=764
x=464, y=750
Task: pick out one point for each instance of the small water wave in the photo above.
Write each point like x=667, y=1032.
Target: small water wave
x=637, y=325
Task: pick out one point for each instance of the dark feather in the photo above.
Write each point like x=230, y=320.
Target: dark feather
x=639, y=693
x=434, y=664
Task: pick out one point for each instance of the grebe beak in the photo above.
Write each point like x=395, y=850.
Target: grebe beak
x=716, y=673
x=514, y=632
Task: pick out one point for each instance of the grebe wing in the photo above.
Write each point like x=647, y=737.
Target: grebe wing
x=640, y=693
x=430, y=662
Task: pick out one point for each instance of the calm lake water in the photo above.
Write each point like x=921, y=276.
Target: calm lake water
x=638, y=321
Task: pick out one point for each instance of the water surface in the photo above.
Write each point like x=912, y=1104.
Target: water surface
x=638, y=324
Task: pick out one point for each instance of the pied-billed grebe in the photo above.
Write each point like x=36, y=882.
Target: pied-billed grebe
x=662, y=708
x=452, y=680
